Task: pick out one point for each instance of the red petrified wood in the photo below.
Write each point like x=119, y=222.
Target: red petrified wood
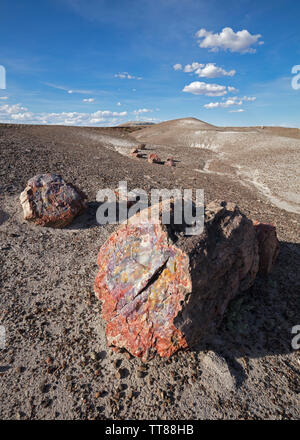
x=49, y=201
x=162, y=290
x=154, y=158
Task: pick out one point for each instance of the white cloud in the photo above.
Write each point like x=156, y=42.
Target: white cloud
x=202, y=88
x=232, y=89
x=240, y=41
x=209, y=70
x=239, y=110
x=119, y=104
x=249, y=98
x=4, y=97
x=88, y=100
x=125, y=75
x=177, y=67
x=17, y=113
x=141, y=110
x=212, y=105
x=229, y=102
x=68, y=90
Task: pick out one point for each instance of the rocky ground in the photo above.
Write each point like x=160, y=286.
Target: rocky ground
x=56, y=364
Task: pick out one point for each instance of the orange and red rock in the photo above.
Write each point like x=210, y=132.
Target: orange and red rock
x=154, y=158
x=163, y=291
x=49, y=201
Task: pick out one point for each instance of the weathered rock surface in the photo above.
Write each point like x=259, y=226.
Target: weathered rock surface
x=49, y=201
x=154, y=158
x=170, y=162
x=268, y=246
x=162, y=290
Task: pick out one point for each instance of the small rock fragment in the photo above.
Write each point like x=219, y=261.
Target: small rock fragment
x=170, y=162
x=154, y=158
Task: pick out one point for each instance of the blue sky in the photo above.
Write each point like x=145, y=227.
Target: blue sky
x=99, y=62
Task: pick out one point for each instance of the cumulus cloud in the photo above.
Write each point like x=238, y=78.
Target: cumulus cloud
x=119, y=104
x=239, y=110
x=229, y=102
x=3, y=97
x=227, y=39
x=209, y=70
x=126, y=75
x=18, y=113
x=88, y=100
x=202, y=88
x=177, y=66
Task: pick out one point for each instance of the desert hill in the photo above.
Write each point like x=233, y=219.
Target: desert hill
x=264, y=157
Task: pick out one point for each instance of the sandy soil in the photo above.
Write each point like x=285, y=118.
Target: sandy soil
x=56, y=364
x=266, y=158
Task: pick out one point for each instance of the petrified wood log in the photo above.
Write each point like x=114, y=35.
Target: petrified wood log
x=162, y=290
x=49, y=201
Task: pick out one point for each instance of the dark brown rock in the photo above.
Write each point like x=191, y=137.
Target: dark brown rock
x=268, y=246
x=49, y=201
x=162, y=290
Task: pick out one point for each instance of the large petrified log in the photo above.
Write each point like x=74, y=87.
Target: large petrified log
x=162, y=290
x=48, y=200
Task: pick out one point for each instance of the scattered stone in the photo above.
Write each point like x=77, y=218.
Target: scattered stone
x=162, y=290
x=268, y=246
x=44, y=387
x=134, y=151
x=154, y=158
x=137, y=155
x=119, y=374
x=49, y=201
x=170, y=162
x=93, y=356
x=117, y=363
x=49, y=360
x=141, y=146
x=123, y=196
x=46, y=403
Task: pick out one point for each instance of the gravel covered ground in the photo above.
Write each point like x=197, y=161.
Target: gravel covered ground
x=56, y=364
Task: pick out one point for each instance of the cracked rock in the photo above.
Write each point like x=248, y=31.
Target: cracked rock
x=163, y=290
x=49, y=201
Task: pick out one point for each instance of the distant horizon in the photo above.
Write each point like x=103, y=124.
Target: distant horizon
x=101, y=63
x=145, y=123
